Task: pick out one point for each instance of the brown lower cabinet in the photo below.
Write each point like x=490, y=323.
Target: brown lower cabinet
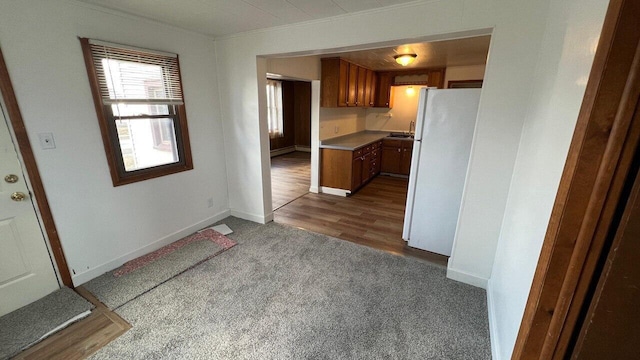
x=350, y=170
x=396, y=156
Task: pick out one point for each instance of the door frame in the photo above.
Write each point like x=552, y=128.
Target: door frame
x=30, y=165
x=591, y=189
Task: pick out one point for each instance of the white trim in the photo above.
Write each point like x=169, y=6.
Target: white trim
x=303, y=148
x=314, y=189
x=83, y=277
x=253, y=217
x=465, y=277
x=334, y=191
x=493, y=330
x=282, y=151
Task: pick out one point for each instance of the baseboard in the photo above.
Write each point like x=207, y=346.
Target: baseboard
x=466, y=278
x=282, y=151
x=314, y=189
x=83, y=277
x=260, y=219
x=303, y=148
x=493, y=330
x=334, y=191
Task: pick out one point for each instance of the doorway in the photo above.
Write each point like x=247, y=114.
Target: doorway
x=289, y=124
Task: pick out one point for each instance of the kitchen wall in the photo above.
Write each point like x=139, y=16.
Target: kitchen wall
x=470, y=72
x=564, y=63
x=404, y=111
x=336, y=122
x=101, y=226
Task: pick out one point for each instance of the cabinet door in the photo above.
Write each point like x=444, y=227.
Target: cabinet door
x=405, y=162
x=367, y=88
x=375, y=161
x=361, y=87
x=372, y=88
x=436, y=78
x=356, y=173
x=343, y=83
x=391, y=157
x=383, y=98
x=366, y=168
x=352, y=85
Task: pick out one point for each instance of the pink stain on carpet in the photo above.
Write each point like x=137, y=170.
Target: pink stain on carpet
x=207, y=234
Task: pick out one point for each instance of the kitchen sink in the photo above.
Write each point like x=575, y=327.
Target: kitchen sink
x=401, y=135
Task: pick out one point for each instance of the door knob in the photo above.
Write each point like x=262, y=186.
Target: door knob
x=11, y=178
x=18, y=196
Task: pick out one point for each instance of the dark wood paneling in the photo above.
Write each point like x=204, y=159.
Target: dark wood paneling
x=302, y=103
x=589, y=193
x=29, y=160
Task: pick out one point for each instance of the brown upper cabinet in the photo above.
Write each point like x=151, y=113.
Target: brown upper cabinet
x=345, y=84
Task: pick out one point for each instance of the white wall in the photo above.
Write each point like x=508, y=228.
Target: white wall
x=101, y=226
x=563, y=67
x=468, y=72
x=336, y=122
x=404, y=111
x=517, y=30
x=302, y=67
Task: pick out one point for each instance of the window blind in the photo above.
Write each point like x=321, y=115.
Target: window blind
x=130, y=75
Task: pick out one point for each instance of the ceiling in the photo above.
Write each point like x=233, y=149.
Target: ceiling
x=459, y=52
x=223, y=17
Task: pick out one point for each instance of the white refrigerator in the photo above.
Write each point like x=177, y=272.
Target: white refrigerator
x=444, y=130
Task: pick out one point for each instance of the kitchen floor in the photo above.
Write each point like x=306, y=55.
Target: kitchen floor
x=373, y=216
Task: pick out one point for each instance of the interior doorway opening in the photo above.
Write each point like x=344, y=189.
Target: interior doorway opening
x=289, y=125
x=373, y=212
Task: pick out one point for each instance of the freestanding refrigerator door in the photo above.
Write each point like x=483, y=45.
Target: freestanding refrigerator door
x=415, y=159
x=443, y=159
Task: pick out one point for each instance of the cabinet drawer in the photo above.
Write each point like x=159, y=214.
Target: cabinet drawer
x=392, y=143
x=357, y=153
x=367, y=149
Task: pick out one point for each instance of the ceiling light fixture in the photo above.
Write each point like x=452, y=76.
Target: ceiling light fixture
x=405, y=59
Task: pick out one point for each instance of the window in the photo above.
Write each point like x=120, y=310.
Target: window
x=140, y=107
x=274, y=108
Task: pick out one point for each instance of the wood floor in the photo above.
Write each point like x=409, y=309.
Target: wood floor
x=290, y=177
x=83, y=338
x=373, y=216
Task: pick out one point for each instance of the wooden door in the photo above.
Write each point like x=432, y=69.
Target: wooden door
x=610, y=329
x=26, y=270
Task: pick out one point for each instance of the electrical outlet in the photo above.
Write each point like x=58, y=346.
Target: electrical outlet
x=46, y=141
x=210, y=202
x=336, y=129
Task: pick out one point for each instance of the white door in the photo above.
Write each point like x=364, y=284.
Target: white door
x=26, y=270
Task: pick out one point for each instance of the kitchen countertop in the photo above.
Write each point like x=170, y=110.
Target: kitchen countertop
x=356, y=140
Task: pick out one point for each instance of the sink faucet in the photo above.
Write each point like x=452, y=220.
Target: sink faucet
x=412, y=127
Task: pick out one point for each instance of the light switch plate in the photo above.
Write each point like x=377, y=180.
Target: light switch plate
x=46, y=141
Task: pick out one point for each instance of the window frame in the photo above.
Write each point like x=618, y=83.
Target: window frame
x=108, y=130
